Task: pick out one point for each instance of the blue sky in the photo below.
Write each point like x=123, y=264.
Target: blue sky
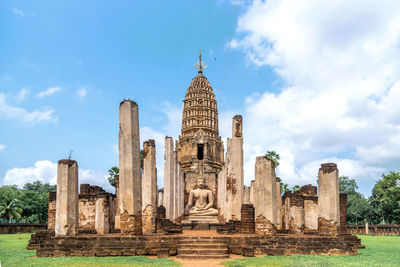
x=314, y=88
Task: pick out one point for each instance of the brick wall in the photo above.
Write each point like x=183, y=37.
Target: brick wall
x=248, y=222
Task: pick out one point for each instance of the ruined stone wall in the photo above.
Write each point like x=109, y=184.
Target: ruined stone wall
x=247, y=225
x=311, y=213
x=87, y=212
x=86, y=207
x=343, y=213
x=51, y=220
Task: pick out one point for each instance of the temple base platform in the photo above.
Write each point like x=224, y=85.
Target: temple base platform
x=192, y=244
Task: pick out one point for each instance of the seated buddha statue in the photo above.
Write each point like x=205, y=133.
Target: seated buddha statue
x=201, y=201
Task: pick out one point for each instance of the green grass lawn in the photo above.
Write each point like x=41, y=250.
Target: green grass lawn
x=380, y=251
x=14, y=253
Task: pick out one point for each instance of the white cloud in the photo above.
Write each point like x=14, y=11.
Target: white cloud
x=8, y=111
x=81, y=93
x=339, y=61
x=48, y=91
x=22, y=94
x=2, y=147
x=21, y=13
x=43, y=170
x=46, y=172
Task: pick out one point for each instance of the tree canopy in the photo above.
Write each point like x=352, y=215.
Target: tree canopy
x=29, y=204
x=273, y=156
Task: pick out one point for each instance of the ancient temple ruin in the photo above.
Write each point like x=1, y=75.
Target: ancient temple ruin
x=203, y=191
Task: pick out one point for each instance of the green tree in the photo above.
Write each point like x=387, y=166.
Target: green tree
x=296, y=188
x=273, y=156
x=39, y=187
x=112, y=174
x=10, y=205
x=385, y=198
x=284, y=188
x=358, y=207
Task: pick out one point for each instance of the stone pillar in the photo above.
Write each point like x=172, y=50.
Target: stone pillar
x=265, y=210
x=235, y=174
x=222, y=197
x=343, y=213
x=179, y=190
x=311, y=213
x=253, y=192
x=296, y=213
x=278, y=203
x=67, y=198
x=101, y=218
x=117, y=224
x=130, y=182
x=177, y=187
x=328, y=199
x=160, y=197
x=246, y=195
x=366, y=228
x=149, y=187
x=169, y=177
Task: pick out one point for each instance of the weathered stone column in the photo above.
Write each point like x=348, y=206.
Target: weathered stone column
x=130, y=182
x=101, y=216
x=222, y=197
x=169, y=177
x=265, y=210
x=117, y=224
x=149, y=187
x=179, y=190
x=67, y=198
x=278, y=203
x=246, y=199
x=160, y=197
x=253, y=192
x=235, y=175
x=343, y=213
x=311, y=213
x=366, y=228
x=328, y=199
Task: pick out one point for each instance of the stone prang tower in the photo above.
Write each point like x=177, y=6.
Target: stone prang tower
x=200, y=149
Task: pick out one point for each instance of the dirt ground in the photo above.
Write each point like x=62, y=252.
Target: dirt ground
x=204, y=263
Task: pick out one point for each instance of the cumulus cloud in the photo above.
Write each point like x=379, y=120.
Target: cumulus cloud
x=2, y=147
x=35, y=116
x=82, y=92
x=43, y=170
x=46, y=172
x=49, y=91
x=339, y=63
x=22, y=94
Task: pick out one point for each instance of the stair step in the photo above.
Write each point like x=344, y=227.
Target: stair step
x=201, y=243
x=202, y=251
x=209, y=246
x=203, y=257
x=195, y=238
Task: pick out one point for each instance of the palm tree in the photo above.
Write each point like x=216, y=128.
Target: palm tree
x=113, y=173
x=11, y=210
x=274, y=157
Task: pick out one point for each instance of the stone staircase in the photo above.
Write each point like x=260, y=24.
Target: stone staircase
x=203, y=247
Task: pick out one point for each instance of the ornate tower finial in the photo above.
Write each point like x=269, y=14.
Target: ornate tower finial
x=200, y=65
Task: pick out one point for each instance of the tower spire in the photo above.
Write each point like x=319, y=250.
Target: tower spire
x=200, y=65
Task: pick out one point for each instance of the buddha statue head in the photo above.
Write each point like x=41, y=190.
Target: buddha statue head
x=201, y=182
